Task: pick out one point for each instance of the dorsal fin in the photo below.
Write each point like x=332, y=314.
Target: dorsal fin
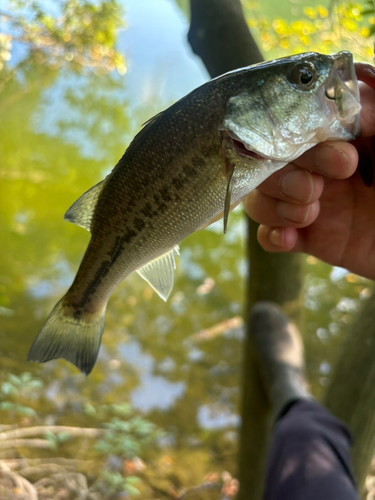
x=159, y=273
x=82, y=210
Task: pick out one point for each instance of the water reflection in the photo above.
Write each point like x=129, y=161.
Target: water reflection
x=178, y=362
x=153, y=391
x=217, y=416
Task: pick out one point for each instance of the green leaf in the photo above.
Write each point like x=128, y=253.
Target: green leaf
x=144, y=428
x=102, y=447
x=89, y=410
x=132, y=479
x=115, y=480
x=7, y=405
x=51, y=438
x=49, y=22
x=25, y=410
x=123, y=410
x=119, y=425
x=63, y=436
x=25, y=377
x=14, y=379
x=132, y=490
x=35, y=384
x=129, y=446
x=105, y=408
x=8, y=389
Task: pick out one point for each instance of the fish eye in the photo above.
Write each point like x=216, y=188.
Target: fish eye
x=304, y=76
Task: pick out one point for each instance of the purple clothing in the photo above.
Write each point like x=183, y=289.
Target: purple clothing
x=309, y=456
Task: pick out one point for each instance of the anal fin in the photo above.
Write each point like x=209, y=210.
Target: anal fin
x=159, y=273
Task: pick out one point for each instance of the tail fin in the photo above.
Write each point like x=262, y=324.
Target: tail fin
x=64, y=336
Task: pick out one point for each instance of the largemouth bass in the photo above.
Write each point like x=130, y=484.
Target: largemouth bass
x=188, y=166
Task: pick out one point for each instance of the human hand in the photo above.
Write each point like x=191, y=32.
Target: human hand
x=320, y=205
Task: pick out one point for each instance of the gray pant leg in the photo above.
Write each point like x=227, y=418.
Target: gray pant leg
x=309, y=456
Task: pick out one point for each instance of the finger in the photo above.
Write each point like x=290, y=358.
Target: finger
x=365, y=73
x=277, y=239
x=293, y=185
x=367, y=111
x=331, y=159
x=281, y=239
x=267, y=210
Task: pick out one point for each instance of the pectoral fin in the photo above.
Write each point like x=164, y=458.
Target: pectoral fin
x=227, y=198
x=159, y=273
x=219, y=216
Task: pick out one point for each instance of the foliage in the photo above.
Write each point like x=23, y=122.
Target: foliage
x=17, y=391
x=118, y=449
x=116, y=483
x=78, y=32
x=128, y=434
x=318, y=29
x=368, y=11
x=56, y=438
x=127, y=437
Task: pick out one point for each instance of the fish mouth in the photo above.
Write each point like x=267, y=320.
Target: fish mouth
x=341, y=89
x=243, y=150
x=241, y=147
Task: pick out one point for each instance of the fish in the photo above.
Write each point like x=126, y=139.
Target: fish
x=189, y=166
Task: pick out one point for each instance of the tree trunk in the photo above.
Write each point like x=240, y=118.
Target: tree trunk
x=220, y=36
x=351, y=395
x=276, y=277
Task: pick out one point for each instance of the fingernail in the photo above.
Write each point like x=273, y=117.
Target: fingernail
x=332, y=162
x=298, y=184
x=277, y=237
x=293, y=213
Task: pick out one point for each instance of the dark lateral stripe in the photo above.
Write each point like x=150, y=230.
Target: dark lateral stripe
x=164, y=193
x=179, y=182
x=146, y=212
x=139, y=224
x=100, y=273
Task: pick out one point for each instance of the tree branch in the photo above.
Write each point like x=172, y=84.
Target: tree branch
x=23, y=463
x=26, y=443
x=19, y=481
x=55, y=429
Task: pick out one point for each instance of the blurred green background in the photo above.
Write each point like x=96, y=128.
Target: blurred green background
x=77, y=81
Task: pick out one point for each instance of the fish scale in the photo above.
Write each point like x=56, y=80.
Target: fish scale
x=187, y=167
